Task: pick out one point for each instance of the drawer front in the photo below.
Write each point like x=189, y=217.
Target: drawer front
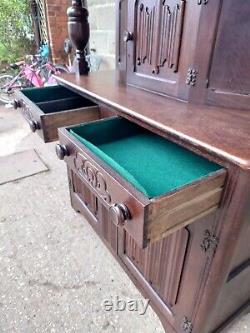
x=103, y=184
x=145, y=220
x=30, y=112
x=46, y=117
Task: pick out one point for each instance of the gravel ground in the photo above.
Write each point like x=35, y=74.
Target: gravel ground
x=55, y=273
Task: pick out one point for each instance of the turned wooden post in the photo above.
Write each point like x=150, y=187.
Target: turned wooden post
x=78, y=28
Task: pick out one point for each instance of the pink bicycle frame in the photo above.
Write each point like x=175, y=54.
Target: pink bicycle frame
x=32, y=76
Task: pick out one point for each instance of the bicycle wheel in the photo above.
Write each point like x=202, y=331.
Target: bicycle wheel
x=5, y=94
x=7, y=89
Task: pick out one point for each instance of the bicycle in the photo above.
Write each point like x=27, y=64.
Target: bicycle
x=35, y=74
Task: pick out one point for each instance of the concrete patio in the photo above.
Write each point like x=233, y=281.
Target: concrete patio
x=55, y=273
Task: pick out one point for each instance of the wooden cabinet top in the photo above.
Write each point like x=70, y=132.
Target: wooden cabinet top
x=222, y=132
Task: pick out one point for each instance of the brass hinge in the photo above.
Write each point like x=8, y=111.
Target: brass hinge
x=187, y=326
x=202, y=2
x=209, y=243
x=191, y=77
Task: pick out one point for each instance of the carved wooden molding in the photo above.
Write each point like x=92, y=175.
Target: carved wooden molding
x=159, y=47
x=187, y=326
x=191, y=77
x=172, y=24
x=210, y=242
x=26, y=112
x=144, y=33
x=94, y=177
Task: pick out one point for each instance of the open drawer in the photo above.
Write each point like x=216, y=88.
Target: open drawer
x=48, y=108
x=151, y=186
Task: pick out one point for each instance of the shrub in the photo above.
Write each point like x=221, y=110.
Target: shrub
x=16, y=37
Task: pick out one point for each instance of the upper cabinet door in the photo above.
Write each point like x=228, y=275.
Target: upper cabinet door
x=160, y=40
x=229, y=74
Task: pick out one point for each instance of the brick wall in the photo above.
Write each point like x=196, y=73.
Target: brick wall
x=57, y=27
x=102, y=29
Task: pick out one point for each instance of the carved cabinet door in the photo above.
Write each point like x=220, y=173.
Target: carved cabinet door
x=229, y=77
x=160, y=39
x=171, y=272
x=222, y=54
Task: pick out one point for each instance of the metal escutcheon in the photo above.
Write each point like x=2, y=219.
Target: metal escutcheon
x=127, y=36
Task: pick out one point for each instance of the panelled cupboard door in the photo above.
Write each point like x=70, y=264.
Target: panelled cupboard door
x=160, y=38
x=171, y=271
x=229, y=79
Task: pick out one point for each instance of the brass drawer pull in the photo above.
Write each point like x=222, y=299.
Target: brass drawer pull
x=61, y=151
x=119, y=213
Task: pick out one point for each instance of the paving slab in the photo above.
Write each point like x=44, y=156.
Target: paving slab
x=20, y=165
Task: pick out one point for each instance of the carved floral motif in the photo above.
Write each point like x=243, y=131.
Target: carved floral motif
x=93, y=176
x=209, y=242
x=26, y=112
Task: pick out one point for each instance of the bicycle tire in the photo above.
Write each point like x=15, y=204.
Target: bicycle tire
x=7, y=97
x=4, y=94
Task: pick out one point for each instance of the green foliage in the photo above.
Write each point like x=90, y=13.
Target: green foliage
x=16, y=37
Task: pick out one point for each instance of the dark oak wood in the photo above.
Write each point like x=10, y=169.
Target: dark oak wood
x=46, y=124
x=162, y=47
x=183, y=273
x=191, y=50
x=78, y=28
x=217, y=131
x=221, y=56
x=221, y=135
x=146, y=220
x=187, y=251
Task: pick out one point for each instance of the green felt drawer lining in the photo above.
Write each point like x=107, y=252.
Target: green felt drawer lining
x=149, y=162
x=56, y=99
x=44, y=94
x=65, y=104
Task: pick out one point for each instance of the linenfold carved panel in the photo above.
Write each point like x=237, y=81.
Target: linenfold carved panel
x=93, y=176
x=161, y=263
x=158, y=27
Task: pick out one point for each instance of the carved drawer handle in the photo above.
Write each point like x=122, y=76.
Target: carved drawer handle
x=61, y=151
x=127, y=36
x=33, y=125
x=119, y=213
x=17, y=104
